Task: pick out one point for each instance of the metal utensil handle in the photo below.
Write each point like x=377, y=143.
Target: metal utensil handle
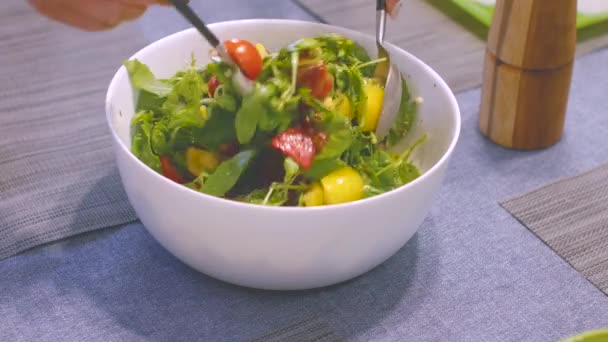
x=380, y=20
x=197, y=22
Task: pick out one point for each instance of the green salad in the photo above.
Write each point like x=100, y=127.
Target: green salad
x=303, y=135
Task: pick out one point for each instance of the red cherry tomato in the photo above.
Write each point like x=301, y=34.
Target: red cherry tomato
x=246, y=56
x=297, y=144
x=169, y=170
x=228, y=149
x=212, y=85
x=317, y=79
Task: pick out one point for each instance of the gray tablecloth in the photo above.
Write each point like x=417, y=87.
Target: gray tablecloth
x=472, y=272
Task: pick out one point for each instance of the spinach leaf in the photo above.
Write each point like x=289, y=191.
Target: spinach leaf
x=141, y=147
x=340, y=137
x=248, y=117
x=321, y=168
x=405, y=118
x=254, y=108
x=227, y=174
x=142, y=78
x=218, y=130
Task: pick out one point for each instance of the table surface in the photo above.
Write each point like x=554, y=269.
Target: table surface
x=471, y=273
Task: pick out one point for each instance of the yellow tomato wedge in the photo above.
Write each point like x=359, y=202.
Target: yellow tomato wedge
x=314, y=196
x=261, y=50
x=342, y=185
x=198, y=160
x=340, y=104
x=204, y=113
x=371, y=107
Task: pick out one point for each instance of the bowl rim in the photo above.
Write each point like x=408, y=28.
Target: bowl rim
x=242, y=205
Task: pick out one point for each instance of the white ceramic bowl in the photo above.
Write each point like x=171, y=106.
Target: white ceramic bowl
x=282, y=248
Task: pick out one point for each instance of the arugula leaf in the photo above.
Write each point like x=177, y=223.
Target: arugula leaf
x=387, y=172
x=227, y=174
x=256, y=196
x=405, y=118
x=141, y=147
x=359, y=53
x=278, y=193
x=364, y=145
x=350, y=82
x=337, y=48
x=255, y=107
x=340, y=137
x=142, y=78
x=408, y=172
x=225, y=99
x=186, y=95
x=336, y=126
x=381, y=170
x=222, y=72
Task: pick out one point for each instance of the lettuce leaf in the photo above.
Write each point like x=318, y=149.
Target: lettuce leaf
x=142, y=78
x=141, y=145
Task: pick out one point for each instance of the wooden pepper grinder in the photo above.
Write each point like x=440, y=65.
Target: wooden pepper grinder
x=527, y=72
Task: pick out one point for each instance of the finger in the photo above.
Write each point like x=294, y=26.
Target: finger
x=146, y=2
x=66, y=15
x=109, y=14
x=393, y=7
x=131, y=12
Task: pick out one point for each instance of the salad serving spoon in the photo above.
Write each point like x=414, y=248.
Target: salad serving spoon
x=388, y=73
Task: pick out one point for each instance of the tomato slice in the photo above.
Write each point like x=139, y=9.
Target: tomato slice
x=317, y=79
x=246, y=56
x=212, y=85
x=169, y=170
x=297, y=144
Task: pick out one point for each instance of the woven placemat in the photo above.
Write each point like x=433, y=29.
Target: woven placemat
x=456, y=53
x=571, y=217
x=309, y=330
x=58, y=174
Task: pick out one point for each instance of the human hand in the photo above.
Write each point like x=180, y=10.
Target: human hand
x=93, y=15
x=392, y=7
